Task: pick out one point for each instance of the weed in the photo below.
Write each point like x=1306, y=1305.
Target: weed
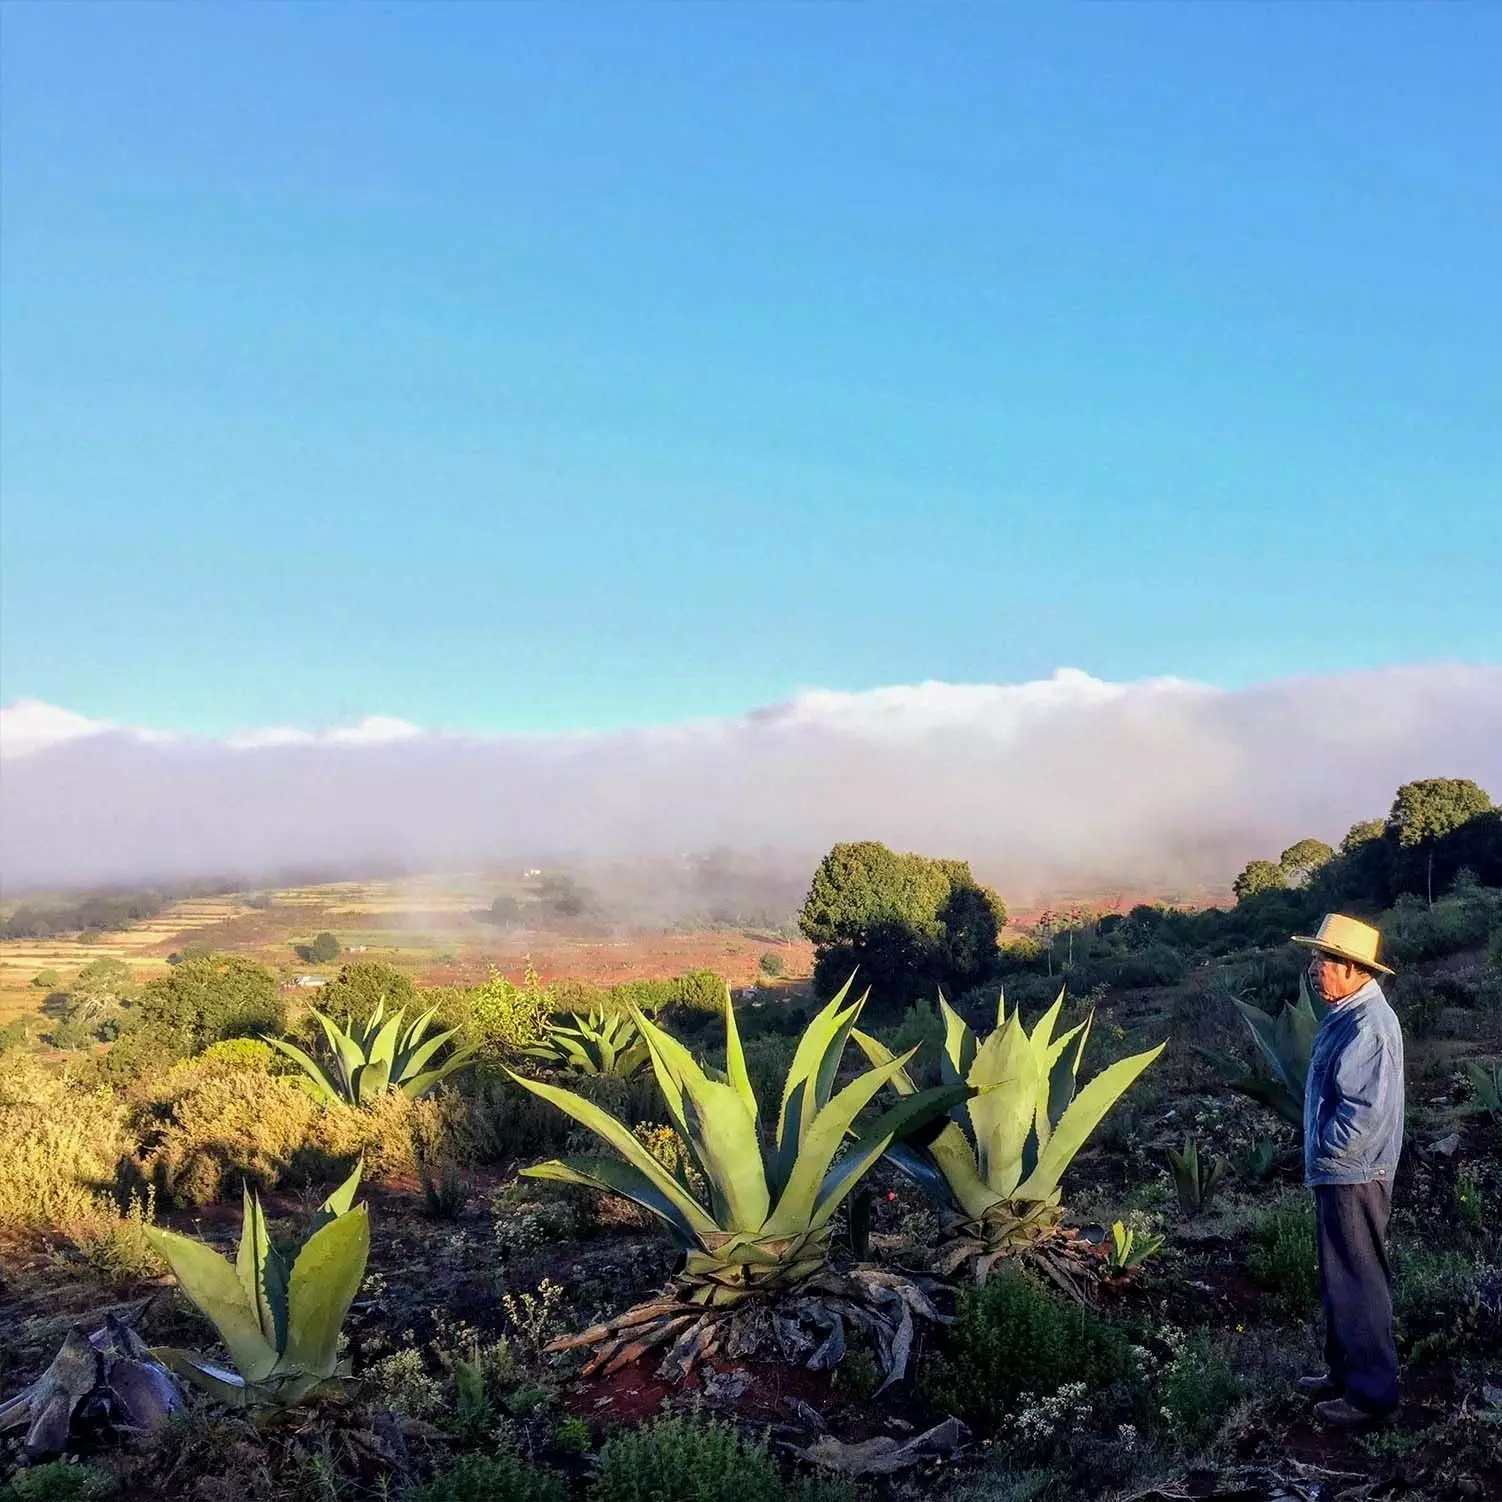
x=686, y=1460
x=487, y=1478
x=571, y=1435
x=1199, y=1389
x=58, y=1481
x=1012, y=1337
x=1283, y=1258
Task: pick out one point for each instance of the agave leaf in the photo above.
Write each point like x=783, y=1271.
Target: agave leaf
x=370, y=1080
x=826, y=1031
x=383, y=1050
x=1006, y=1073
x=419, y=1085
x=339, y=1202
x=604, y=1125
x=213, y=1286
x=958, y=1055
x=1063, y=1072
x=911, y=1114
x=719, y=1130
x=878, y=1053
x=310, y=1067
x=413, y=1037
x=262, y=1273
x=795, y=1205
x=1082, y=1117
x=325, y=1278
x=349, y=1055
x=612, y=1176
x=410, y=1057
x=221, y=1385
x=735, y=1061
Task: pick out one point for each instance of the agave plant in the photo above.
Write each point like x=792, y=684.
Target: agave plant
x=379, y=1056
x=1283, y=1044
x=995, y=1166
x=1487, y=1083
x=1194, y=1178
x=762, y=1223
x=278, y=1321
x=602, y=1043
x=1130, y=1249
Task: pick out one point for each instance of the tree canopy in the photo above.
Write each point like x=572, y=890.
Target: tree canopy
x=208, y=998
x=906, y=922
x=1301, y=860
x=1257, y=877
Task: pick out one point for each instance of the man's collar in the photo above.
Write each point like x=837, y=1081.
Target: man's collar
x=1367, y=992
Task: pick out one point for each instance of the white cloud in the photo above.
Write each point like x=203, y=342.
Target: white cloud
x=1066, y=782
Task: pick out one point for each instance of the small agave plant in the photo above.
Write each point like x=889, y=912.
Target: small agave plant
x=608, y=1044
x=996, y=1165
x=278, y=1321
x=761, y=1226
x=365, y=1061
x=1284, y=1043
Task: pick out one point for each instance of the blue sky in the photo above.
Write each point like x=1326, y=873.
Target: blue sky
x=502, y=367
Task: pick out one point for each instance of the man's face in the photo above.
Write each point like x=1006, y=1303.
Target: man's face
x=1334, y=978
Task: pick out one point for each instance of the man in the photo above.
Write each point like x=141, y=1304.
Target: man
x=1353, y=1133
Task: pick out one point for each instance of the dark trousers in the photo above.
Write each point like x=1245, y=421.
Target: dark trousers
x=1355, y=1284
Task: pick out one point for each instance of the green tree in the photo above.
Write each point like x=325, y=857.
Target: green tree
x=208, y=998
x=1256, y=878
x=1300, y=861
x=47, y=980
x=358, y=987
x=907, y=922
x=324, y=948
x=505, y=910
x=98, y=990
x=1422, y=814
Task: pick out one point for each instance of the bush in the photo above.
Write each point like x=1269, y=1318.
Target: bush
x=242, y=1053
x=1418, y=1004
x=59, y=1481
x=487, y=1478
x=507, y=1018
x=1413, y=931
x=1011, y=1337
x=358, y=987
x=1438, y=1304
x=1199, y=1389
x=686, y=1460
x=47, y=980
x=325, y=947
x=1157, y=965
x=771, y=964
x=204, y=1000
x=1283, y=1258
x=59, y=1146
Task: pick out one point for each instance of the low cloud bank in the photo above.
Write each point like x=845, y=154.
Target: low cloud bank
x=1069, y=784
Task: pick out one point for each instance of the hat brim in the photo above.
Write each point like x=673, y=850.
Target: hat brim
x=1325, y=947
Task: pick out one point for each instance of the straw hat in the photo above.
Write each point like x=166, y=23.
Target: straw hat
x=1346, y=938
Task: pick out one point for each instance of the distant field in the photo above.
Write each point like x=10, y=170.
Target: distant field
x=435, y=928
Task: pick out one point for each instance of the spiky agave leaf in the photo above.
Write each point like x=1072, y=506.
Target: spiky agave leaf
x=764, y=1223
x=367, y=1059
x=280, y=1325
x=996, y=1169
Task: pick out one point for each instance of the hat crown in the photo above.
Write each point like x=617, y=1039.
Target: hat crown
x=1348, y=936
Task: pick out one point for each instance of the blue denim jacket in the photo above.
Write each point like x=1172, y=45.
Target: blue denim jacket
x=1353, y=1098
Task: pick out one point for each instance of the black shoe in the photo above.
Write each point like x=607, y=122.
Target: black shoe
x=1342, y=1414
x=1319, y=1388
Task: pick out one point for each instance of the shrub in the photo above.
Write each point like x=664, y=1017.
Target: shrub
x=240, y=1053
x=208, y=1125
x=354, y=993
x=325, y=947
x=490, y=1478
x=59, y=1481
x=47, y=980
x=1199, y=1389
x=686, y=1460
x=1419, y=1006
x=580, y=997
x=771, y=964
x=1438, y=1304
x=1283, y=1258
x=1157, y=965
x=204, y=1000
x=506, y=1018
x=1011, y=1337
x=59, y=1146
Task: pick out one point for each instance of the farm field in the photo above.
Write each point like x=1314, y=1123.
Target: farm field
x=436, y=929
